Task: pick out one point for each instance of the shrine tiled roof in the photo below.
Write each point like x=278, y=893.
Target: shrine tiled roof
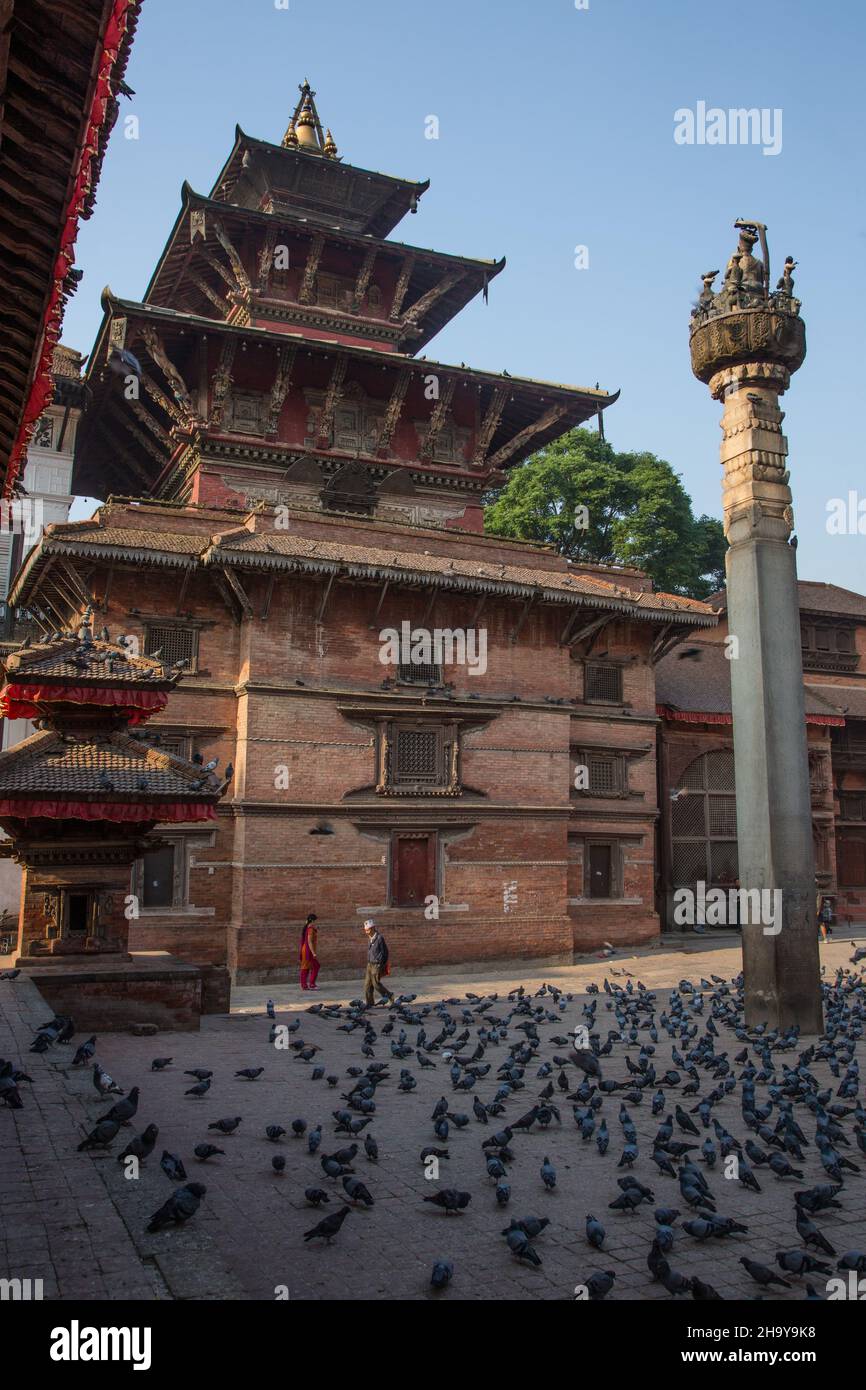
x=108, y=767
x=95, y=662
x=272, y=549
x=695, y=678
x=814, y=597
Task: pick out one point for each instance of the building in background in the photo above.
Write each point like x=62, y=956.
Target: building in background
x=698, y=838
x=288, y=483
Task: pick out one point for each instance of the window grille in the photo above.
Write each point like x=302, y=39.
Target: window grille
x=420, y=673
x=603, y=683
x=173, y=644
x=417, y=757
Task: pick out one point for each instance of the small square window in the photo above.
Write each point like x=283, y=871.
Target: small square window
x=603, y=682
x=173, y=644
x=420, y=673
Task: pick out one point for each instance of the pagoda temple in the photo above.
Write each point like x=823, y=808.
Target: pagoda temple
x=289, y=479
x=79, y=800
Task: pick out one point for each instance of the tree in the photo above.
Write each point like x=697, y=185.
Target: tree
x=600, y=507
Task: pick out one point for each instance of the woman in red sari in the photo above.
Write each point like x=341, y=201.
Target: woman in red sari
x=307, y=956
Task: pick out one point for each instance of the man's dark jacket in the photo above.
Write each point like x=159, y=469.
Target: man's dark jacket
x=377, y=951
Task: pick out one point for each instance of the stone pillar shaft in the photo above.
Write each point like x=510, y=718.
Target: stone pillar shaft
x=774, y=817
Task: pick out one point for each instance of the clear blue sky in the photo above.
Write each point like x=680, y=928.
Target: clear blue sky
x=556, y=130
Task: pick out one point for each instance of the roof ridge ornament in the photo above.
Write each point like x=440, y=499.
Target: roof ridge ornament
x=305, y=131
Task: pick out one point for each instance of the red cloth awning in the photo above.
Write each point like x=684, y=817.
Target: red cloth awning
x=117, y=811
x=24, y=701
x=689, y=716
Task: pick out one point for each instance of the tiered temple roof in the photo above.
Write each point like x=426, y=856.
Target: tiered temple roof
x=278, y=339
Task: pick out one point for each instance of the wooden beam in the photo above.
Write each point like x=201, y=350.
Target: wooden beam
x=402, y=285
x=434, y=593
x=489, y=425
x=363, y=281
x=382, y=592
x=527, y=606
x=237, y=265
x=238, y=590
x=269, y=593
x=417, y=310
x=184, y=584
x=326, y=595
x=308, y=283
x=479, y=609
x=550, y=417
x=437, y=419
x=587, y=630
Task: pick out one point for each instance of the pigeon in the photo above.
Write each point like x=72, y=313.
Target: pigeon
x=595, y=1232
x=798, y=1262
x=274, y=1133
x=172, y=1166
x=443, y=1273
x=316, y=1196
x=181, y=1206
x=356, y=1191
x=205, y=1151
x=141, y=1145
x=201, y=1088
x=123, y=1110
x=101, y=1136
x=251, y=1073
x=600, y=1283
x=450, y=1200
x=519, y=1244
x=548, y=1174
x=84, y=1052
x=328, y=1228
x=762, y=1274
x=200, y=1074
x=278, y=1163
x=160, y=1063
x=227, y=1126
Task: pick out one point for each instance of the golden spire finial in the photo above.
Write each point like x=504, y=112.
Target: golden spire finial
x=305, y=129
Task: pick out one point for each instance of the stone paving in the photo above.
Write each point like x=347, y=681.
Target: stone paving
x=75, y=1220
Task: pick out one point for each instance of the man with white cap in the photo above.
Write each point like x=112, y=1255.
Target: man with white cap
x=377, y=964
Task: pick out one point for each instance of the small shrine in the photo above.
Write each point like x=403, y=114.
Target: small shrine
x=80, y=798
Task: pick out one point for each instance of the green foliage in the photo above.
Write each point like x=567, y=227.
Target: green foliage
x=637, y=513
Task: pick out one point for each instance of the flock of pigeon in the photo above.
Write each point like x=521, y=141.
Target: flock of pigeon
x=603, y=1069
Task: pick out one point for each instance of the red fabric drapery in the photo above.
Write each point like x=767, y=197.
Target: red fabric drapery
x=19, y=700
x=119, y=812
x=41, y=388
x=683, y=716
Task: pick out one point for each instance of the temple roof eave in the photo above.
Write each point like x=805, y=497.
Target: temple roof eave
x=190, y=199
x=598, y=399
x=410, y=568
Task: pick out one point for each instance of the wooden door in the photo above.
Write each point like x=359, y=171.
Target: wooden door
x=851, y=854
x=413, y=869
x=599, y=871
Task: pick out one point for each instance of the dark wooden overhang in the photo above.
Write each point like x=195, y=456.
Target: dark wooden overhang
x=388, y=198
x=186, y=279
x=119, y=451
x=49, y=62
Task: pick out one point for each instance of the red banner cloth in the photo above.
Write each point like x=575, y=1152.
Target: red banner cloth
x=697, y=717
x=107, y=810
x=22, y=701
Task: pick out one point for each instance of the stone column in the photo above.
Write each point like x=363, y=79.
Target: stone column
x=774, y=810
x=745, y=342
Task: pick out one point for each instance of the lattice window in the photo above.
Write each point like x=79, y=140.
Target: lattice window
x=704, y=822
x=607, y=775
x=173, y=644
x=420, y=673
x=852, y=808
x=418, y=757
x=602, y=682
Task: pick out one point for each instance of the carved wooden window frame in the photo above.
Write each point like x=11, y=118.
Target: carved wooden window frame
x=390, y=782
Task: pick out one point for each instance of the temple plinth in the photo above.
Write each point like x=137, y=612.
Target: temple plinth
x=745, y=343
